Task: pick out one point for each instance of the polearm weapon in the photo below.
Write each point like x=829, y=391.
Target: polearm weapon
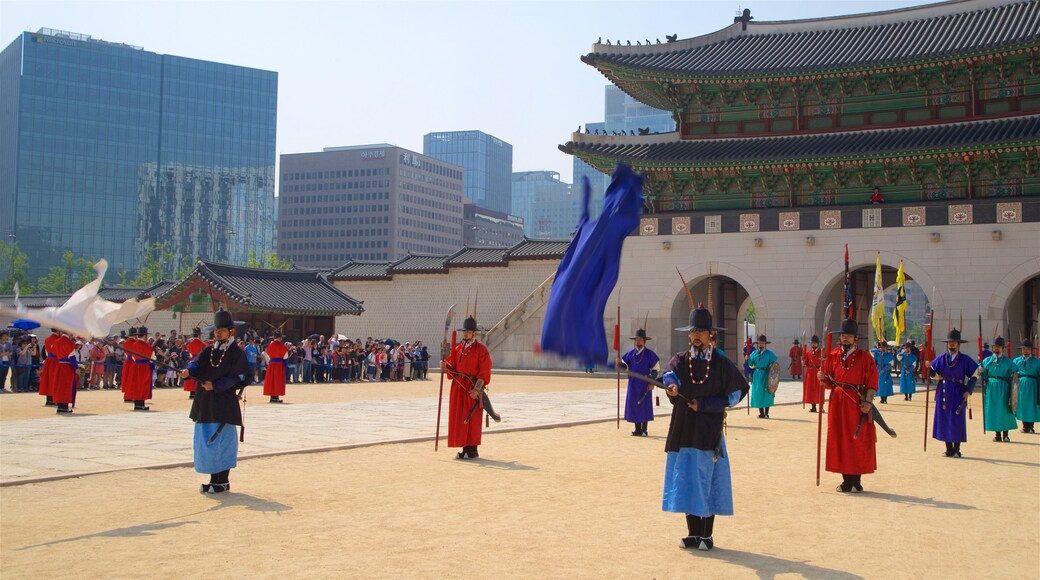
x=444, y=357
x=617, y=353
x=928, y=371
x=819, y=416
x=983, y=382
x=966, y=402
x=801, y=361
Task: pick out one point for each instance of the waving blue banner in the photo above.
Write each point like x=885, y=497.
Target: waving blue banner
x=589, y=270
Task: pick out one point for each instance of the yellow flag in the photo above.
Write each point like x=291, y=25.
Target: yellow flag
x=877, y=307
x=899, y=312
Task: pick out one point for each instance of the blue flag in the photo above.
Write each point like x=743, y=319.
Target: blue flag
x=587, y=274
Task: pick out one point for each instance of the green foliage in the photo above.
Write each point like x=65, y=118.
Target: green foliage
x=73, y=273
x=13, y=265
x=267, y=261
x=750, y=314
x=159, y=264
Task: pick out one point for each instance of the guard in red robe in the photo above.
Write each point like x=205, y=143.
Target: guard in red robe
x=194, y=347
x=811, y=391
x=50, y=363
x=139, y=387
x=126, y=377
x=63, y=376
x=796, y=360
x=274, y=380
x=852, y=375
x=468, y=364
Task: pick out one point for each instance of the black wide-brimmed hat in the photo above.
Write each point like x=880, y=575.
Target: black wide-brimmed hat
x=469, y=324
x=953, y=336
x=222, y=319
x=796, y=341
x=762, y=338
x=999, y=341
x=1026, y=344
x=700, y=319
x=848, y=326
x=641, y=333
x=814, y=338
x=139, y=331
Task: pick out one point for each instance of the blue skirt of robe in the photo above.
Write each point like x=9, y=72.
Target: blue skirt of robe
x=218, y=456
x=696, y=484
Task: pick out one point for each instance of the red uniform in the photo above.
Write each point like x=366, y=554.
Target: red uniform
x=139, y=387
x=63, y=377
x=846, y=455
x=811, y=391
x=474, y=360
x=796, y=360
x=50, y=363
x=194, y=346
x=274, y=380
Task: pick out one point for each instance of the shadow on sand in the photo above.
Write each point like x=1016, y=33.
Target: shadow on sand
x=768, y=567
x=921, y=501
x=495, y=464
x=151, y=528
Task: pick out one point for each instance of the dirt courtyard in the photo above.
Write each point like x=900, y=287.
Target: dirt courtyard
x=576, y=502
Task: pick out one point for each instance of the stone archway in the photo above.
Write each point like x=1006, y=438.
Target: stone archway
x=1016, y=300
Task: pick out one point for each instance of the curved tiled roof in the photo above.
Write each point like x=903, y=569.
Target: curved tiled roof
x=913, y=34
x=529, y=249
x=419, y=263
x=361, y=270
x=304, y=292
x=478, y=256
x=819, y=145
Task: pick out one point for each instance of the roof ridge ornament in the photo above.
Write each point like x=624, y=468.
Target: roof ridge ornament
x=744, y=18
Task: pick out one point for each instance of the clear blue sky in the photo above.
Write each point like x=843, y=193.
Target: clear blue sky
x=352, y=73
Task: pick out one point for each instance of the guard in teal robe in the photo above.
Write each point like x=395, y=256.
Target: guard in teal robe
x=907, y=372
x=997, y=372
x=1028, y=368
x=883, y=358
x=760, y=360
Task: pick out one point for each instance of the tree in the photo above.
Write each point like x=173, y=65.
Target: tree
x=73, y=273
x=750, y=314
x=268, y=261
x=13, y=264
x=160, y=264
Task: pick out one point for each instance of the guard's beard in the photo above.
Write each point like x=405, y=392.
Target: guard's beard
x=846, y=347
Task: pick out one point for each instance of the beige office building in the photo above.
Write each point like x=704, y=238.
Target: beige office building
x=367, y=202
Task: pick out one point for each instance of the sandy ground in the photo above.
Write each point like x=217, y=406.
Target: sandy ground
x=578, y=502
x=15, y=406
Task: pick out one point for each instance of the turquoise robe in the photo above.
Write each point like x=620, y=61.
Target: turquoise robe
x=996, y=400
x=1028, y=378
x=760, y=361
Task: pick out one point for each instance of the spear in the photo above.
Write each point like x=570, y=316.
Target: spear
x=617, y=353
x=444, y=358
x=984, y=384
x=928, y=371
x=819, y=416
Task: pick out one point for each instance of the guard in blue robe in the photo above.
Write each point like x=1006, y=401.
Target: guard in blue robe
x=639, y=405
x=907, y=372
x=760, y=360
x=883, y=358
x=956, y=372
x=997, y=372
x=1028, y=368
x=697, y=471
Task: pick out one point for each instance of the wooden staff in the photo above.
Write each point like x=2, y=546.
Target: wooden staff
x=617, y=355
x=928, y=371
x=819, y=415
x=444, y=358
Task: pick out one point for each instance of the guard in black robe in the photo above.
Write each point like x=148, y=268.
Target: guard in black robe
x=221, y=369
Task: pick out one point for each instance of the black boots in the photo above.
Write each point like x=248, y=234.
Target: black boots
x=276, y=399
x=468, y=452
x=640, y=429
x=1027, y=427
x=763, y=413
x=63, y=409
x=218, y=483
x=140, y=406
x=700, y=530
x=953, y=449
x=813, y=409
x=850, y=484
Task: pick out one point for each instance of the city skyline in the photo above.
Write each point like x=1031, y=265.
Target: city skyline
x=375, y=83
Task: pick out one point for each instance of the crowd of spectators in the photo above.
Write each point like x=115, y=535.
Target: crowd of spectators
x=315, y=359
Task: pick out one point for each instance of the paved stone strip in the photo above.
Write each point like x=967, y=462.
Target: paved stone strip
x=59, y=447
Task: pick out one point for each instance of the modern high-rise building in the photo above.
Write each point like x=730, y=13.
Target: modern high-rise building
x=487, y=161
x=106, y=149
x=367, y=202
x=550, y=207
x=482, y=227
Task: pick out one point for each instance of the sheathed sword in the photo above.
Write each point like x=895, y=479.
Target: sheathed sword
x=655, y=383
x=482, y=400
x=874, y=413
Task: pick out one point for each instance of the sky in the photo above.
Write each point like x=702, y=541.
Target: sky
x=354, y=73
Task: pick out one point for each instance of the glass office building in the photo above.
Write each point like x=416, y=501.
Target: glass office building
x=487, y=161
x=106, y=149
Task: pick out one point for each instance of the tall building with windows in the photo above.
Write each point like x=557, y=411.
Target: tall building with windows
x=367, y=202
x=487, y=161
x=549, y=207
x=106, y=148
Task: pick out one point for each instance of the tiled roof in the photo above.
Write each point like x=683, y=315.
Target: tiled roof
x=419, y=263
x=355, y=270
x=530, y=249
x=1024, y=129
x=478, y=256
x=304, y=292
x=914, y=34
x=110, y=294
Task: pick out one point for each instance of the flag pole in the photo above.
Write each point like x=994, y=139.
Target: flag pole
x=617, y=352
